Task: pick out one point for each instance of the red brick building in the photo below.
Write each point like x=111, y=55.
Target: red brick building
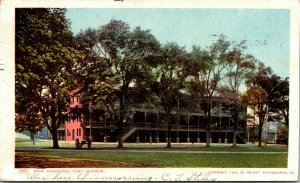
x=74, y=123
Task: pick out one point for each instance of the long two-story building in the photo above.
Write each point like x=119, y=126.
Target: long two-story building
x=147, y=124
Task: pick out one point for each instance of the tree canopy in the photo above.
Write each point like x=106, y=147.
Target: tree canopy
x=45, y=57
x=169, y=78
x=125, y=56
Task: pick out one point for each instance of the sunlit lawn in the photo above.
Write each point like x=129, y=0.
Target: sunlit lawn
x=165, y=159
x=23, y=144
x=157, y=155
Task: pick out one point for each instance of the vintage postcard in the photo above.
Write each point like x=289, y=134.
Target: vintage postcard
x=149, y=90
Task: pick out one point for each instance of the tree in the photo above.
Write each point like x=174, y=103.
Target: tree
x=211, y=64
x=29, y=119
x=169, y=76
x=277, y=90
x=257, y=96
x=124, y=57
x=279, y=102
x=239, y=67
x=278, y=93
x=45, y=57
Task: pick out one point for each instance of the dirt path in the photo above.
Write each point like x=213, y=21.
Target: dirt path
x=30, y=160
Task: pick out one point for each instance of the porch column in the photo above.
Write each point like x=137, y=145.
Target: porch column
x=220, y=127
x=145, y=121
x=188, y=122
x=198, y=133
x=157, y=121
x=137, y=137
x=150, y=138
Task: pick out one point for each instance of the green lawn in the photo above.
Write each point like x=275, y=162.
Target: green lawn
x=133, y=154
x=164, y=159
x=23, y=144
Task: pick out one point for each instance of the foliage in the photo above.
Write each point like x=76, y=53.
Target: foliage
x=121, y=66
x=278, y=93
x=169, y=78
x=29, y=119
x=282, y=134
x=45, y=57
x=210, y=64
x=257, y=96
x=117, y=67
x=240, y=66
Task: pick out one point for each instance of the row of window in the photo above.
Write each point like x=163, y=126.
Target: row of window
x=73, y=99
x=78, y=132
x=73, y=116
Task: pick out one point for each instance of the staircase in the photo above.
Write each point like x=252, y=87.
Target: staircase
x=128, y=131
x=243, y=140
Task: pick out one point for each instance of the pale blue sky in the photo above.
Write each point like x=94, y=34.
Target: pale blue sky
x=266, y=31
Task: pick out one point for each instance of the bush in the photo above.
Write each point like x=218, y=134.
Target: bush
x=282, y=134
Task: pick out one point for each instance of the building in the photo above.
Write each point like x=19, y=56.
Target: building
x=74, y=122
x=147, y=124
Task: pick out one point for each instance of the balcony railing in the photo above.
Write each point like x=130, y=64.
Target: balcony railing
x=149, y=125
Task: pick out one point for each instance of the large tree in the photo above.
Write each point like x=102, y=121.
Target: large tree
x=279, y=103
x=276, y=89
x=278, y=93
x=210, y=70
x=169, y=77
x=45, y=57
x=240, y=66
x=123, y=56
x=257, y=97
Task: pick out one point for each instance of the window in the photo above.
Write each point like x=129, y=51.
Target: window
x=68, y=133
x=67, y=118
x=79, y=116
x=79, y=131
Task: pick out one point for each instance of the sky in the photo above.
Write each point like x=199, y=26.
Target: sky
x=267, y=31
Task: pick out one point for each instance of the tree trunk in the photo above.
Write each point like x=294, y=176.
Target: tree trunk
x=120, y=142
x=121, y=117
x=169, y=136
x=32, y=138
x=208, y=134
x=55, y=139
x=260, y=131
x=234, y=143
x=235, y=127
x=208, y=127
x=169, y=122
x=286, y=117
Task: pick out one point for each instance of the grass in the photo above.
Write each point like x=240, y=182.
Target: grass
x=164, y=159
x=23, y=144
